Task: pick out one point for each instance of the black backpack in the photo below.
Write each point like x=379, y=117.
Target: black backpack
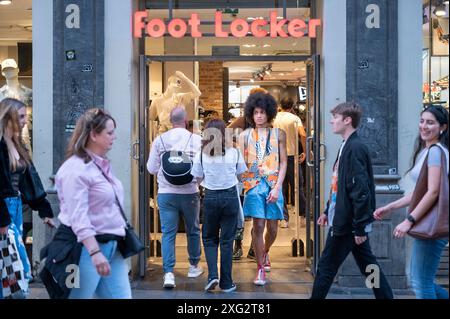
x=176, y=165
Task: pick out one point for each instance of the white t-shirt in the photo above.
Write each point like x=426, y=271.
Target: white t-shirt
x=219, y=172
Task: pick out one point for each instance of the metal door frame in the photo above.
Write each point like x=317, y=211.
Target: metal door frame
x=143, y=143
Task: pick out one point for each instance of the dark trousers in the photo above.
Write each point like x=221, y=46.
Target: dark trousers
x=221, y=209
x=336, y=250
x=289, y=188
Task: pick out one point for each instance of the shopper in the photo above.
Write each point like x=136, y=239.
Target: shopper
x=19, y=182
x=90, y=195
x=218, y=164
x=177, y=200
x=426, y=253
x=265, y=155
x=292, y=126
x=350, y=206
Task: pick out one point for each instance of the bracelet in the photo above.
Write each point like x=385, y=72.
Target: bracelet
x=95, y=252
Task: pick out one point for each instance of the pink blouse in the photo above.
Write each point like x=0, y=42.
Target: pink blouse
x=87, y=200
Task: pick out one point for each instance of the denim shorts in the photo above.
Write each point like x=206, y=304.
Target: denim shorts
x=256, y=206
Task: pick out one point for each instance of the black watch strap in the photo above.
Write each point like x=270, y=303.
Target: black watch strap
x=411, y=219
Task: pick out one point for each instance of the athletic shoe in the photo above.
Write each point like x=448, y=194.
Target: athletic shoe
x=232, y=288
x=169, y=280
x=211, y=285
x=260, y=279
x=195, y=271
x=266, y=262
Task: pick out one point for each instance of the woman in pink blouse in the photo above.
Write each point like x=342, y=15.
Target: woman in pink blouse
x=87, y=190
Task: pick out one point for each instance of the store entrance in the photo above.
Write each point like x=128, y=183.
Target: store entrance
x=282, y=76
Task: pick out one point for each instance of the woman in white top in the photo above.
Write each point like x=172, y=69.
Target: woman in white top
x=218, y=164
x=426, y=253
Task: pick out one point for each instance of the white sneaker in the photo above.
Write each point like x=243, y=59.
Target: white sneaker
x=169, y=280
x=284, y=224
x=195, y=271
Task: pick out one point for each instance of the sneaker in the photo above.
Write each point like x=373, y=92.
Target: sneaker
x=195, y=271
x=237, y=254
x=211, y=285
x=284, y=224
x=266, y=262
x=169, y=280
x=251, y=254
x=260, y=279
x=232, y=288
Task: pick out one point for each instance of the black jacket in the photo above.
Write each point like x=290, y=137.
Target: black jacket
x=30, y=187
x=355, y=201
x=63, y=250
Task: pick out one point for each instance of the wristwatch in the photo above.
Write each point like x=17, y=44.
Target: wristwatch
x=411, y=219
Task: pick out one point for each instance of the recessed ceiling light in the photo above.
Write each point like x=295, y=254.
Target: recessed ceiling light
x=5, y=2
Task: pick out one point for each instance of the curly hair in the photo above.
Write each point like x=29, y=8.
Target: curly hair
x=261, y=100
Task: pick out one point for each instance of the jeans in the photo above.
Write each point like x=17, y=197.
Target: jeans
x=221, y=209
x=289, y=188
x=425, y=258
x=114, y=286
x=170, y=207
x=336, y=250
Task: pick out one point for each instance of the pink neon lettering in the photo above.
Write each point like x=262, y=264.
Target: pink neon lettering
x=172, y=28
x=151, y=28
x=313, y=24
x=257, y=32
x=295, y=26
x=194, y=22
x=218, y=26
x=244, y=27
x=276, y=27
x=139, y=23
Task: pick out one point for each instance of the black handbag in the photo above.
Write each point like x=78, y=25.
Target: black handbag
x=130, y=245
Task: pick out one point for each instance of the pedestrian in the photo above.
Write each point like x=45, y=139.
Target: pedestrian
x=265, y=154
x=350, y=206
x=292, y=126
x=20, y=184
x=91, y=198
x=218, y=165
x=177, y=200
x=426, y=253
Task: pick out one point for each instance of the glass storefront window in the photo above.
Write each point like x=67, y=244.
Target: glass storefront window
x=435, y=52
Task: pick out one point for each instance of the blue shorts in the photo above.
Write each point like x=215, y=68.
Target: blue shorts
x=256, y=206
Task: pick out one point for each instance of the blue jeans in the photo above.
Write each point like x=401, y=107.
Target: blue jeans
x=221, y=209
x=425, y=258
x=14, y=205
x=114, y=286
x=171, y=206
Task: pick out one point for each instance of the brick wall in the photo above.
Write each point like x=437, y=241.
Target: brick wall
x=211, y=86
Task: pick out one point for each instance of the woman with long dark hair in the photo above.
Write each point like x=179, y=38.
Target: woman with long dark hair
x=426, y=253
x=219, y=164
x=19, y=182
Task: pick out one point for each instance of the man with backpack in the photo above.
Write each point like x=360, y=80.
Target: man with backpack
x=170, y=159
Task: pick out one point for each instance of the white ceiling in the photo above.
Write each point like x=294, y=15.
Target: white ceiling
x=15, y=22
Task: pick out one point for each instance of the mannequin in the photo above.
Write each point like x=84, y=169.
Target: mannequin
x=13, y=89
x=163, y=105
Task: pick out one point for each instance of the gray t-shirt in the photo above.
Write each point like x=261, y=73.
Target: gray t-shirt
x=434, y=159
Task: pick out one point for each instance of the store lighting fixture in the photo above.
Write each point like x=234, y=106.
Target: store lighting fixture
x=5, y=2
x=446, y=2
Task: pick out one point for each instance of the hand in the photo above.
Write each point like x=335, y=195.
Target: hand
x=402, y=228
x=50, y=222
x=301, y=158
x=273, y=195
x=4, y=230
x=360, y=239
x=323, y=220
x=380, y=212
x=101, y=264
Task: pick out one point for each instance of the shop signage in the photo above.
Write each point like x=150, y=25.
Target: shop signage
x=239, y=28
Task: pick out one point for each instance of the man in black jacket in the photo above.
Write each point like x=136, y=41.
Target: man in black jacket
x=349, y=209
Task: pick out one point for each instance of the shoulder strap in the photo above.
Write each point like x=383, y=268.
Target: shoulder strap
x=164, y=146
x=115, y=195
x=190, y=136
x=237, y=161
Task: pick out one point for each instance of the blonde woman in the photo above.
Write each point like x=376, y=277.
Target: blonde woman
x=19, y=181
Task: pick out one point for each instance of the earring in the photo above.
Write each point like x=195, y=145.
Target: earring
x=442, y=132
